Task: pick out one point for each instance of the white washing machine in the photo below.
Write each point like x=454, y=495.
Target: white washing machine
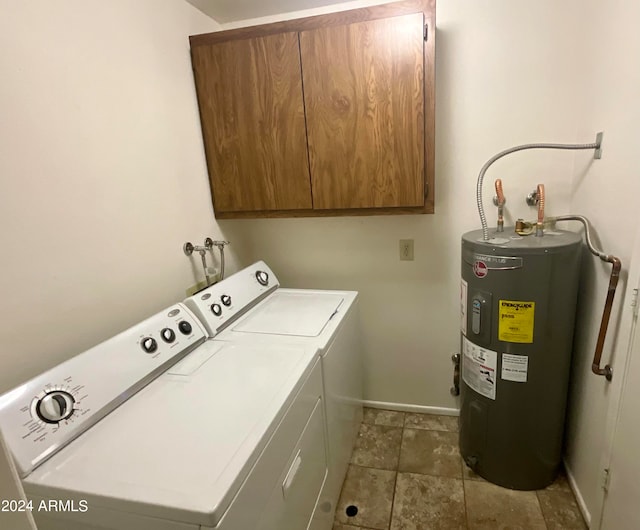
x=160, y=429
x=325, y=321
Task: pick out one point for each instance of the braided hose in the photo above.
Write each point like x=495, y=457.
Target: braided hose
x=479, y=201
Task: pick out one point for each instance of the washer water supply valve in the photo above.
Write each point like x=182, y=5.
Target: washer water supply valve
x=189, y=248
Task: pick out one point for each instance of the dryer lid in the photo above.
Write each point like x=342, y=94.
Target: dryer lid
x=303, y=314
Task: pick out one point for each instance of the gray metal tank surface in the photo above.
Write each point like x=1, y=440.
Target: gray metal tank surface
x=518, y=304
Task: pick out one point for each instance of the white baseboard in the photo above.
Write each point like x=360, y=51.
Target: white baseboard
x=576, y=491
x=406, y=407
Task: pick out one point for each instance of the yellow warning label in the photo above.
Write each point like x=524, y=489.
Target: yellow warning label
x=516, y=321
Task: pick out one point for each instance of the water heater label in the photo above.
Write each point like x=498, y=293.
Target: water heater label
x=516, y=319
x=515, y=367
x=479, y=368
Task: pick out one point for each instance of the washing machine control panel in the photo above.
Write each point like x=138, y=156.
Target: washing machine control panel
x=219, y=305
x=44, y=414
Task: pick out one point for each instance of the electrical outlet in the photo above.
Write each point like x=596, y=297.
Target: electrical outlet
x=406, y=250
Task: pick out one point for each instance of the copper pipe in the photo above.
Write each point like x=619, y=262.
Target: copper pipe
x=499, y=192
x=604, y=324
x=607, y=371
x=540, y=224
x=501, y=201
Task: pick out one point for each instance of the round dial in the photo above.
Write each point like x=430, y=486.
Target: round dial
x=149, y=344
x=168, y=335
x=216, y=309
x=226, y=299
x=184, y=327
x=262, y=277
x=55, y=406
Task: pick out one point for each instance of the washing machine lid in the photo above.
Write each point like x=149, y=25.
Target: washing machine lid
x=181, y=448
x=297, y=313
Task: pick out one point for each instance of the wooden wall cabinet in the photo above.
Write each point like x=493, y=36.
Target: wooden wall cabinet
x=326, y=115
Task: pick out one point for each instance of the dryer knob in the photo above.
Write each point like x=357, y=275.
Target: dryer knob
x=226, y=299
x=168, y=335
x=149, y=344
x=184, y=327
x=262, y=277
x=55, y=406
x=216, y=309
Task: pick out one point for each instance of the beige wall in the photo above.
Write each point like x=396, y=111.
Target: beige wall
x=102, y=171
x=606, y=192
x=505, y=75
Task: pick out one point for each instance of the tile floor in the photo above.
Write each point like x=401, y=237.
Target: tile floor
x=406, y=474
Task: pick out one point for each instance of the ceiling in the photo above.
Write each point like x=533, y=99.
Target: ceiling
x=225, y=11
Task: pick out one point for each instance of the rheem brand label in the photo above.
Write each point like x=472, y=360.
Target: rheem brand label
x=480, y=269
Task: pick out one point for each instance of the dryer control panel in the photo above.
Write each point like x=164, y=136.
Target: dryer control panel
x=44, y=414
x=219, y=305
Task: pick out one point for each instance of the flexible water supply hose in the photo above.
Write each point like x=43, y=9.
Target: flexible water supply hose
x=204, y=267
x=479, y=201
x=220, y=245
x=616, y=266
x=221, y=249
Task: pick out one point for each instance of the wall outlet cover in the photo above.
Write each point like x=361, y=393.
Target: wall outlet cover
x=406, y=250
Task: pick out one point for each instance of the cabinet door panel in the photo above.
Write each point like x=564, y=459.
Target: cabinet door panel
x=250, y=97
x=364, y=96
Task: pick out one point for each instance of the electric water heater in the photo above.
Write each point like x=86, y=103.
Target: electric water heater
x=518, y=304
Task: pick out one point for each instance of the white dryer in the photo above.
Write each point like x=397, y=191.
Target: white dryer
x=326, y=321
x=158, y=429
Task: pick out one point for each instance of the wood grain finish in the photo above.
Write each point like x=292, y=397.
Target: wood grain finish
x=364, y=99
x=256, y=208
x=430, y=113
x=352, y=212
x=252, y=114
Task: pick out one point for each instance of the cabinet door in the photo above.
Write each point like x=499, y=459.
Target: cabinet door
x=250, y=98
x=364, y=97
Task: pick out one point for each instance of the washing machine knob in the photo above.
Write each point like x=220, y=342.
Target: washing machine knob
x=168, y=335
x=184, y=327
x=55, y=406
x=149, y=344
x=262, y=277
x=226, y=299
x=216, y=309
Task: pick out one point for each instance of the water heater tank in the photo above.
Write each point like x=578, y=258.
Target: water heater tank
x=518, y=302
